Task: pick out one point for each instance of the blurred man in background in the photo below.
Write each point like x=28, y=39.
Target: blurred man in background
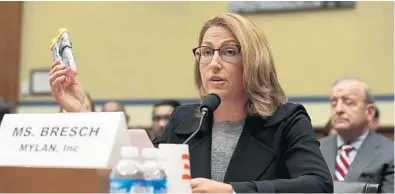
x=376, y=120
x=328, y=128
x=5, y=108
x=160, y=116
x=115, y=106
x=357, y=153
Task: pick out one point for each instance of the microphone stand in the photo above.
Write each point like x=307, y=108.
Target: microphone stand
x=204, y=114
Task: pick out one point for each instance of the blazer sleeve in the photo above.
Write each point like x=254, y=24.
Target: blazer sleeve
x=307, y=168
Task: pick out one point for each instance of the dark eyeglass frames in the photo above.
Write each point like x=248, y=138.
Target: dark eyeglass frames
x=229, y=53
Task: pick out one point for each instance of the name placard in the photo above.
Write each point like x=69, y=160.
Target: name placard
x=69, y=140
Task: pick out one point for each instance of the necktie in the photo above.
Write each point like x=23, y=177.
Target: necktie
x=342, y=163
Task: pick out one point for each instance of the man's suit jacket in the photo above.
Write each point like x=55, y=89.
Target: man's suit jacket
x=374, y=162
x=258, y=165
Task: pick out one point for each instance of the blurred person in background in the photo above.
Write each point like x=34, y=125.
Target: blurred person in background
x=328, y=128
x=376, y=119
x=115, y=106
x=5, y=108
x=357, y=153
x=276, y=151
x=160, y=116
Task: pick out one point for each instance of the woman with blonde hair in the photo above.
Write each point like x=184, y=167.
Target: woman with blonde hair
x=254, y=141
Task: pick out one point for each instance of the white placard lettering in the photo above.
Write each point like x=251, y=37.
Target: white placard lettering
x=70, y=140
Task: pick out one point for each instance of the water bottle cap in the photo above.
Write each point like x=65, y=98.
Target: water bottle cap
x=150, y=153
x=129, y=151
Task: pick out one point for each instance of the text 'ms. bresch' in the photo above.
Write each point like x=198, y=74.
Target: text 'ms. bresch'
x=58, y=131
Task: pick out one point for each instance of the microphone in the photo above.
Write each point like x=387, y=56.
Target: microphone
x=209, y=105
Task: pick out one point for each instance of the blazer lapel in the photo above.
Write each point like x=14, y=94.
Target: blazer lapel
x=365, y=155
x=251, y=157
x=200, y=152
x=330, y=152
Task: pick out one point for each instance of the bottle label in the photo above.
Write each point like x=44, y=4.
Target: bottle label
x=124, y=185
x=156, y=186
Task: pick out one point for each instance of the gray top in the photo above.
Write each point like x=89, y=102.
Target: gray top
x=225, y=136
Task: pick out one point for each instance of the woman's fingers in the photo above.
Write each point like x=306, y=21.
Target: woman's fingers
x=53, y=76
x=57, y=68
x=57, y=83
x=55, y=63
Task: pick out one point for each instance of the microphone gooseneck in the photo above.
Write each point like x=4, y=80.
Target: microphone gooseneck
x=198, y=128
x=209, y=105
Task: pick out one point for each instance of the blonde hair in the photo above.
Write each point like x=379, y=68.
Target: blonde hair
x=260, y=78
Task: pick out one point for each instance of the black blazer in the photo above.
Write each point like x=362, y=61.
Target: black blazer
x=292, y=165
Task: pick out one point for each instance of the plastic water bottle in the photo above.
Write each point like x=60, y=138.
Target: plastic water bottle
x=154, y=176
x=127, y=176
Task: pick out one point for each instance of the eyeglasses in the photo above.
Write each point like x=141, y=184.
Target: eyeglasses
x=229, y=53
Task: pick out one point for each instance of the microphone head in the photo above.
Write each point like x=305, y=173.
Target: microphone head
x=210, y=102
